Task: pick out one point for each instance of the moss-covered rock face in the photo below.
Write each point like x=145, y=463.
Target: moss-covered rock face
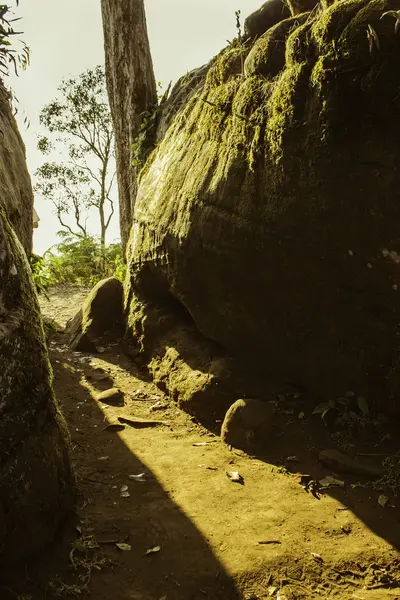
x=268, y=214
x=16, y=194
x=270, y=13
x=36, y=483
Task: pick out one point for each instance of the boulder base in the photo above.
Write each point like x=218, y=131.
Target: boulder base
x=101, y=313
x=248, y=425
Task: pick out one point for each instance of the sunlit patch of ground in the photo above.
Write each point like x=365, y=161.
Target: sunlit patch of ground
x=211, y=537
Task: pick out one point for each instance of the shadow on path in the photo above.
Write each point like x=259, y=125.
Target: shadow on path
x=185, y=568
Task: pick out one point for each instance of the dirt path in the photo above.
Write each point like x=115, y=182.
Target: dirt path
x=210, y=537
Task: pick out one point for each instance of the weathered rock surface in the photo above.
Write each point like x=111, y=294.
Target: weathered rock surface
x=270, y=13
x=16, y=194
x=248, y=425
x=266, y=220
x=101, y=313
x=36, y=482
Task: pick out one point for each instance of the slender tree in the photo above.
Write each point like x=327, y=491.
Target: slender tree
x=81, y=131
x=131, y=89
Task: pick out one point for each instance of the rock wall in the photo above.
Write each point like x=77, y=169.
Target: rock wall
x=16, y=194
x=36, y=482
x=266, y=220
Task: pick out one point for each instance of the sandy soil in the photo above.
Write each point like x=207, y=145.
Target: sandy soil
x=190, y=532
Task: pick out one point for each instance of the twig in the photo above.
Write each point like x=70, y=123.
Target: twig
x=234, y=114
x=3, y=587
x=95, y=481
x=371, y=454
x=210, y=103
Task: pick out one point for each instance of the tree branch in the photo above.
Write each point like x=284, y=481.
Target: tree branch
x=78, y=216
x=83, y=124
x=111, y=213
x=111, y=184
x=86, y=168
x=67, y=227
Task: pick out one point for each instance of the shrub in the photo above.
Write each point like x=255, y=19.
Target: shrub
x=40, y=273
x=77, y=262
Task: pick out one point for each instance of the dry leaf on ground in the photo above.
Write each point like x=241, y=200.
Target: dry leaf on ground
x=235, y=476
x=124, y=547
x=153, y=550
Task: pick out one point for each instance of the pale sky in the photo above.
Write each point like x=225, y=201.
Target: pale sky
x=66, y=38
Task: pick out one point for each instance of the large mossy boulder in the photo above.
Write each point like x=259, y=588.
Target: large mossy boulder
x=101, y=314
x=36, y=480
x=267, y=218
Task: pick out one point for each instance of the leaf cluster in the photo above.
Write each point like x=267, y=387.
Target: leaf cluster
x=238, y=24
x=78, y=262
x=40, y=274
x=144, y=140
x=141, y=144
x=8, y=55
x=350, y=410
x=81, y=134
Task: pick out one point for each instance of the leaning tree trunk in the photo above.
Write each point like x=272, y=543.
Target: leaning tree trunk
x=131, y=89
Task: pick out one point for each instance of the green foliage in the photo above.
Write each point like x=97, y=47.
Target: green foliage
x=81, y=262
x=349, y=411
x=143, y=142
x=8, y=55
x=119, y=265
x=140, y=145
x=51, y=325
x=81, y=133
x=40, y=274
x=238, y=24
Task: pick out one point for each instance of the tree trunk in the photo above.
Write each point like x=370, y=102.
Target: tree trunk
x=102, y=228
x=102, y=218
x=131, y=90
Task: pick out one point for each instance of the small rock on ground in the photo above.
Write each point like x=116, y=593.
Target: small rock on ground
x=247, y=424
x=112, y=396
